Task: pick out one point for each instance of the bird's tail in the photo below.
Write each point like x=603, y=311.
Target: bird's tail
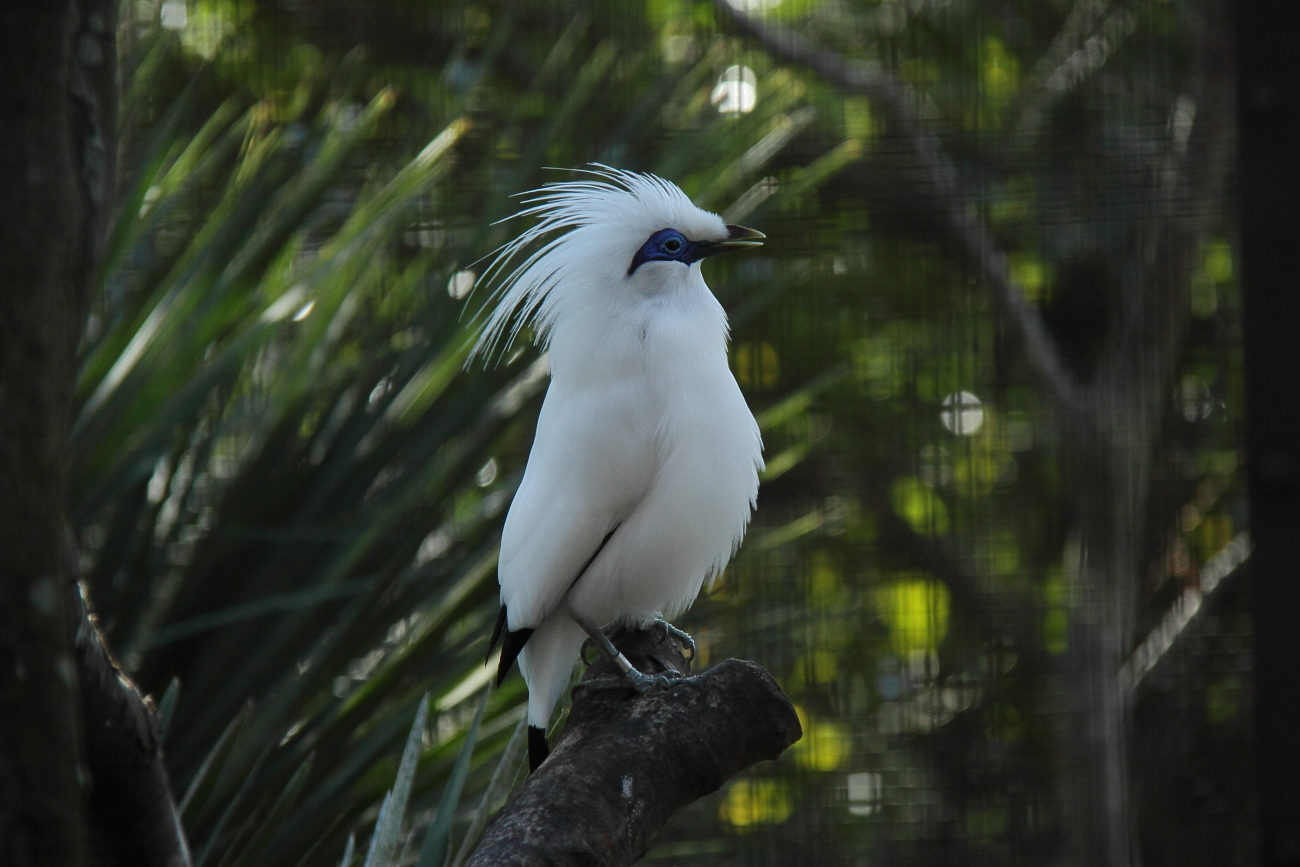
x=547, y=661
x=510, y=648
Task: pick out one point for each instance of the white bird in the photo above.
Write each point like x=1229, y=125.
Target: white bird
x=644, y=468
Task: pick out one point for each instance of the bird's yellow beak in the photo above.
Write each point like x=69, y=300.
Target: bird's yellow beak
x=738, y=238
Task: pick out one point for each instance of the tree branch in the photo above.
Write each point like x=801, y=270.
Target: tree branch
x=1143, y=352
x=977, y=246
x=1183, y=613
x=131, y=814
x=625, y=763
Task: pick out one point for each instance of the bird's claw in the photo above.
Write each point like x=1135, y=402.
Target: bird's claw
x=644, y=684
x=683, y=637
x=648, y=683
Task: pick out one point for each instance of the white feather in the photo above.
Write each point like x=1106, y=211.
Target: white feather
x=643, y=428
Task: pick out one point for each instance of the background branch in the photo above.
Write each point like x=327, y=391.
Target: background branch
x=1139, y=364
x=624, y=764
x=976, y=245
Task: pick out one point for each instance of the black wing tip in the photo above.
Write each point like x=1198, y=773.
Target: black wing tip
x=538, y=748
x=510, y=647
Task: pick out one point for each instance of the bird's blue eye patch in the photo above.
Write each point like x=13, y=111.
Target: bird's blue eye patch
x=666, y=245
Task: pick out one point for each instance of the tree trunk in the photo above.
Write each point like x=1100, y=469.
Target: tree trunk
x=1093, y=732
x=1111, y=463
x=81, y=777
x=55, y=159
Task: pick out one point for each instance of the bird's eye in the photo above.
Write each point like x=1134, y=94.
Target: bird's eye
x=673, y=245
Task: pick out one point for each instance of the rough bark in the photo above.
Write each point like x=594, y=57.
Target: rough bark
x=624, y=764
x=48, y=231
x=81, y=779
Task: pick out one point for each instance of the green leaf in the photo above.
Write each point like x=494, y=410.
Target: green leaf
x=437, y=839
x=502, y=778
x=218, y=750
x=386, y=842
x=166, y=706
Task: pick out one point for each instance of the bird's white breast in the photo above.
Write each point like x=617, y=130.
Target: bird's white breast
x=667, y=362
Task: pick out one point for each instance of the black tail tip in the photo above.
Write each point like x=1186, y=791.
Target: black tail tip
x=514, y=642
x=538, y=749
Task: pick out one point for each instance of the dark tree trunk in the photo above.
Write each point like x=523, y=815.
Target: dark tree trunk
x=624, y=764
x=54, y=162
x=1111, y=461
x=81, y=778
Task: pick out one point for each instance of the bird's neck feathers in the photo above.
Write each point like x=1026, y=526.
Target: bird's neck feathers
x=575, y=289
x=683, y=327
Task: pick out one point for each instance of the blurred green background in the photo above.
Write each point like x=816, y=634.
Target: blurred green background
x=288, y=491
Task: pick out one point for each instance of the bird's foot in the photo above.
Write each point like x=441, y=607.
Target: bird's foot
x=644, y=684
x=683, y=637
x=631, y=677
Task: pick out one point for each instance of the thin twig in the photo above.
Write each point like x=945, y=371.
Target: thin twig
x=1182, y=613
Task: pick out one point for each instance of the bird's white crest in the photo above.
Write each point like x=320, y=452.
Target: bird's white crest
x=612, y=209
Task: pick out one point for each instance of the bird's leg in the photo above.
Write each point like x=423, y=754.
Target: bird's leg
x=642, y=683
x=683, y=637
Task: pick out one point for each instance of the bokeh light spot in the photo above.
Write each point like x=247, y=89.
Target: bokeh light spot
x=736, y=91
x=755, y=802
x=919, y=506
x=824, y=746
x=962, y=414
x=173, y=15
x=757, y=365
x=460, y=284
x=915, y=608
x=865, y=791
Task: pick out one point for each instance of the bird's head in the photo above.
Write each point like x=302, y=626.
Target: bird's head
x=611, y=241
x=672, y=245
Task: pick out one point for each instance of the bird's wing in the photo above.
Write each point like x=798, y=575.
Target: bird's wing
x=547, y=543
x=585, y=474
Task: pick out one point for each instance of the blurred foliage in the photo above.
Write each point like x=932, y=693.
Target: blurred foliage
x=288, y=490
